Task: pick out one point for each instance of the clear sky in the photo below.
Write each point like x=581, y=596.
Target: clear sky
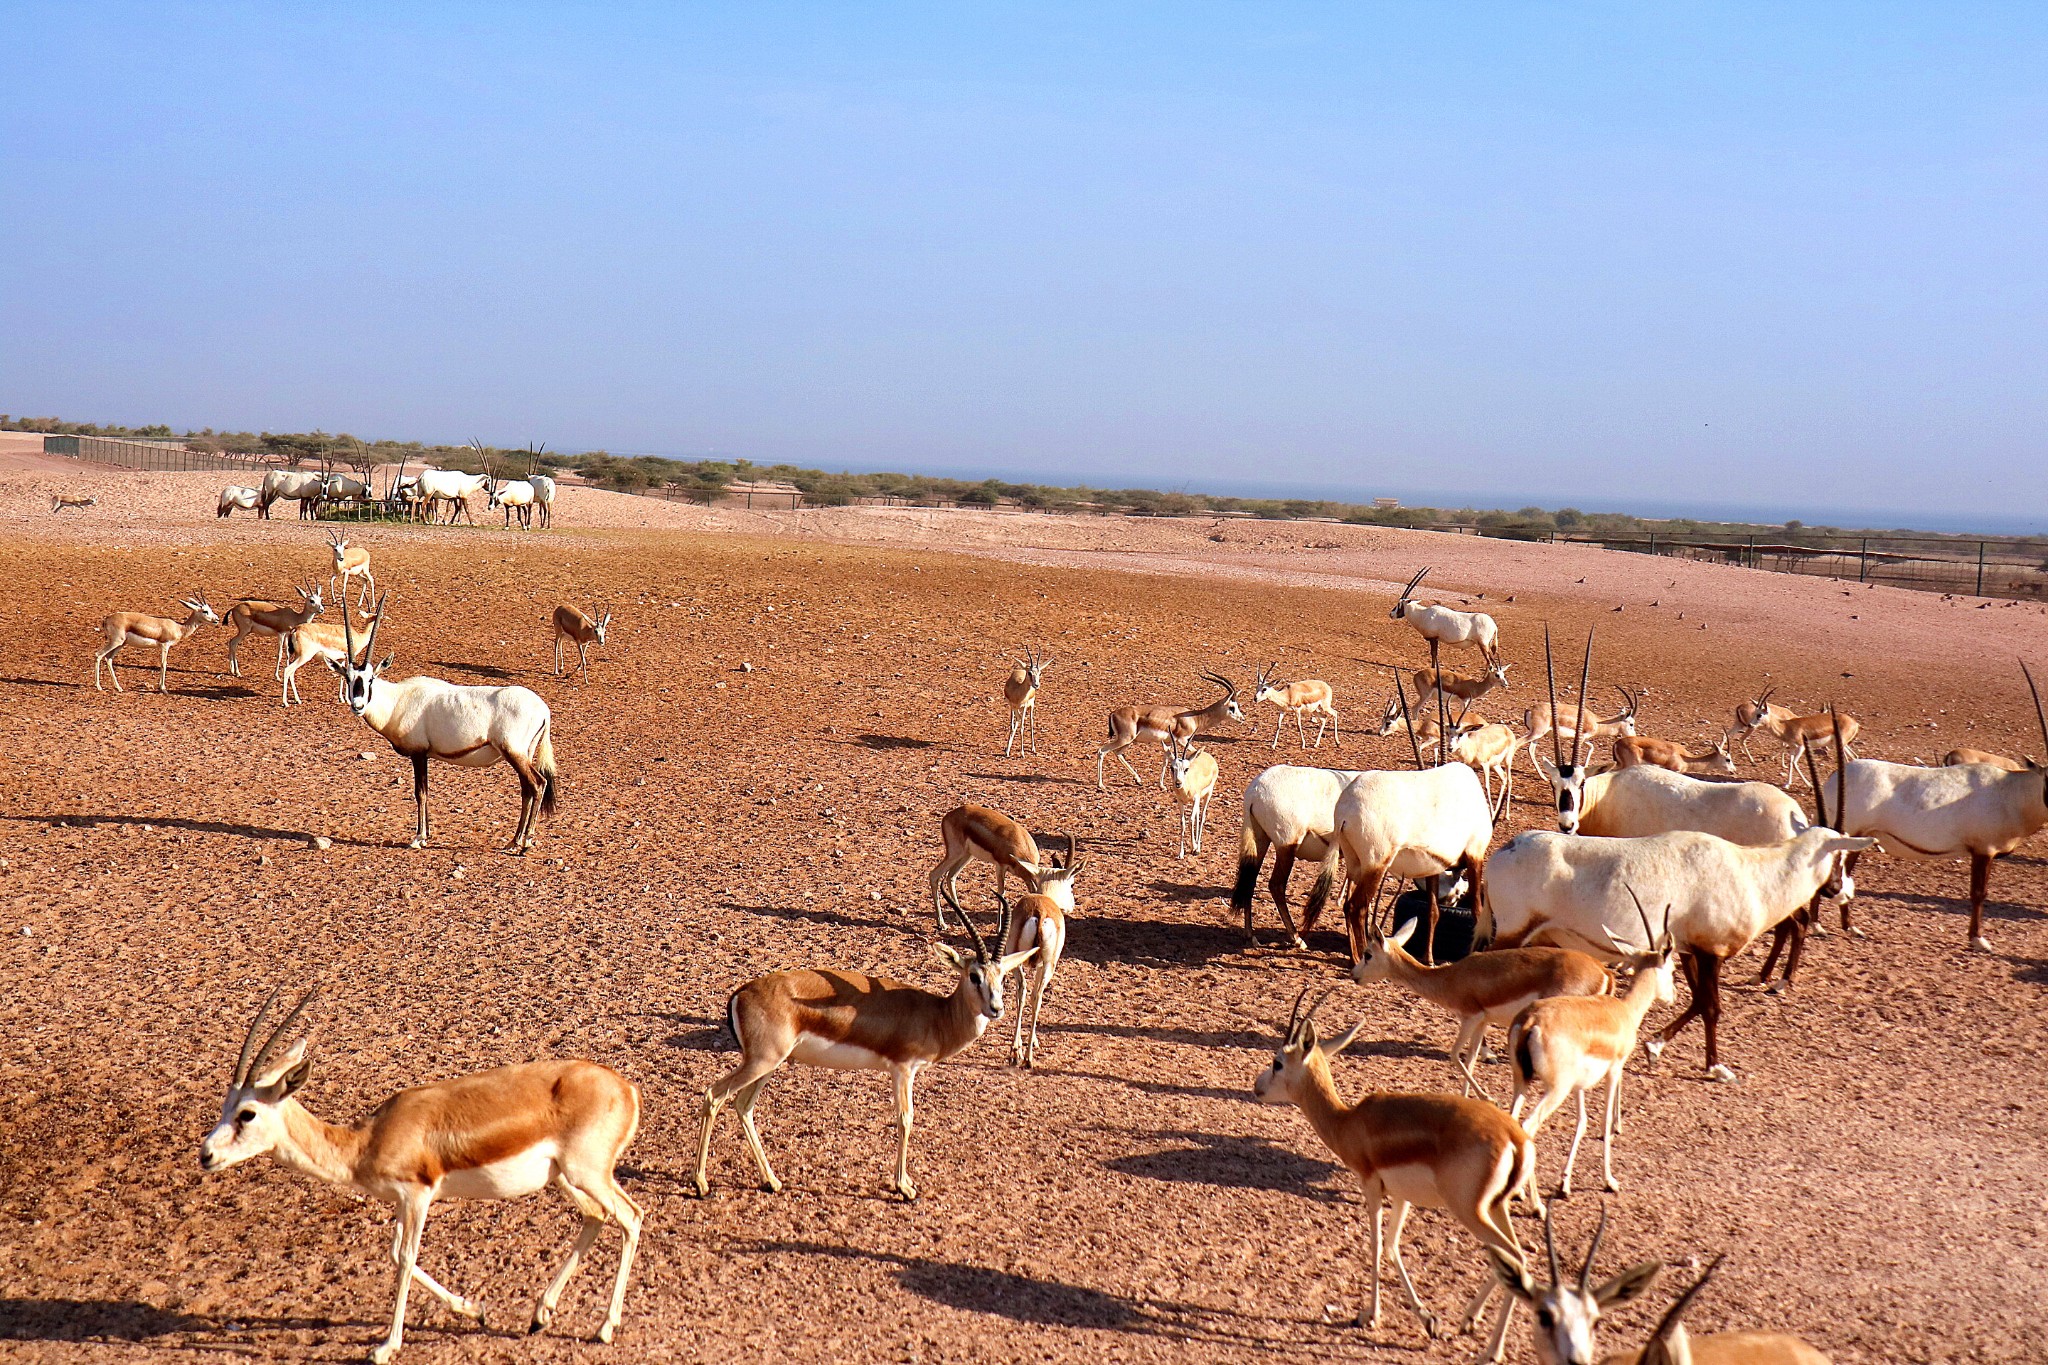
x=1647, y=256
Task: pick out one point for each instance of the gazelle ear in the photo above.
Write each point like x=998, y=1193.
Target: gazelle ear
x=1515, y=1279
x=1627, y=1284
x=288, y=1074
x=1004, y=966
x=337, y=665
x=1341, y=1041
x=1400, y=940
x=950, y=955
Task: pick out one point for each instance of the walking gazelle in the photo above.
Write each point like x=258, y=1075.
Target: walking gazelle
x=501, y=1134
x=1294, y=699
x=133, y=627
x=1040, y=921
x=1164, y=724
x=853, y=1022
x=1020, y=690
x=584, y=630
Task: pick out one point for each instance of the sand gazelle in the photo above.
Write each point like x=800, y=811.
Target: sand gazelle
x=1795, y=732
x=1977, y=810
x=1632, y=751
x=1484, y=990
x=1422, y=728
x=251, y=616
x=1434, y=1151
x=133, y=627
x=1020, y=690
x=60, y=502
x=1191, y=777
x=1442, y=625
x=1292, y=811
x=852, y=1022
x=584, y=630
x=1295, y=698
x=1567, y=890
x=316, y=640
x=500, y=1134
x=350, y=561
x=1489, y=750
x=1163, y=724
x=981, y=834
x=1039, y=921
x=237, y=496
x=1958, y=758
x=426, y=718
x=1568, y=1046
x=1429, y=682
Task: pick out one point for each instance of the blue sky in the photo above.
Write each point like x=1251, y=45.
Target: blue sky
x=1770, y=257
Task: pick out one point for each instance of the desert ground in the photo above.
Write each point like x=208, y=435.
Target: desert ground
x=754, y=776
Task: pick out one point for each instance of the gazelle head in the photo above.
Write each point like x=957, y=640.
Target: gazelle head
x=1229, y=698
x=359, y=680
x=1382, y=951
x=1722, y=761
x=1032, y=667
x=1055, y=879
x=1626, y=717
x=1302, y=1054
x=311, y=595
x=600, y=624
x=1567, y=1315
x=250, y=1123
x=1661, y=957
x=1751, y=713
x=1180, y=756
x=1567, y=778
x=1407, y=596
x=339, y=544
x=982, y=971
x=1497, y=673
x=198, y=606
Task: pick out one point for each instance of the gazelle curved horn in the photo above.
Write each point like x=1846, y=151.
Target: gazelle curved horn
x=1294, y=1015
x=284, y=1027
x=1579, y=730
x=1002, y=922
x=980, y=946
x=1310, y=1017
x=1649, y=934
x=249, y=1038
x=1765, y=699
x=1586, y=1270
x=1683, y=1302
x=1550, y=681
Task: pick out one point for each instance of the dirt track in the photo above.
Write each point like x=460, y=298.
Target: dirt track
x=1877, y=1177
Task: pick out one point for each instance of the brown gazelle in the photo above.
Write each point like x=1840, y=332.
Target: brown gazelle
x=1633, y=751
x=61, y=501
x=1163, y=724
x=981, y=834
x=276, y=619
x=500, y=1134
x=1567, y=1318
x=1020, y=690
x=1191, y=777
x=316, y=640
x=1310, y=695
x=1963, y=758
x=1428, y=682
x=852, y=1022
x=1436, y=1151
x=350, y=561
x=1040, y=922
x=1485, y=990
x=132, y=627
x=1568, y=1046
x=582, y=629
x=1795, y=732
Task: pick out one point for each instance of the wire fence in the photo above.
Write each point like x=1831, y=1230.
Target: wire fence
x=156, y=455
x=2007, y=567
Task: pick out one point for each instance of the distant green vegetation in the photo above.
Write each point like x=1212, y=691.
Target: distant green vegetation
x=650, y=473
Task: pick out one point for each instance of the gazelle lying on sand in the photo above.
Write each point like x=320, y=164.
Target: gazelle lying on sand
x=848, y=1021
x=500, y=1134
x=1632, y=751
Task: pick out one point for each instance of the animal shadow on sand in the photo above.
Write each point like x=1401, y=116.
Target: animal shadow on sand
x=480, y=670
x=1229, y=1161
x=128, y=1320
x=176, y=822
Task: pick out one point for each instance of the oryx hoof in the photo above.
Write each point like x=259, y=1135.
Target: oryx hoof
x=1981, y=944
x=1853, y=932
x=1778, y=987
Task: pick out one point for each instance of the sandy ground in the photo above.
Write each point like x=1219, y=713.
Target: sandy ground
x=1876, y=1177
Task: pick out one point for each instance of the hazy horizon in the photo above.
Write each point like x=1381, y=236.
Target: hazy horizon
x=1614, y=257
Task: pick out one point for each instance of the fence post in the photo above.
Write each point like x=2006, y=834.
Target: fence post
x=1980, y=568
x=1653, y=542
x=1863, y=561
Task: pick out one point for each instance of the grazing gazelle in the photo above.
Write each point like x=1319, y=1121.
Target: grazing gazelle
x=1489, y=750
x=1568, y=1046
x=426, y=718
x=61, y=501
x=1633, y=751
x=1434, y=1151
x=278, y=619
x=1295, y=698
x=1795, y=732
x=126, y=627
x=1540, y=721
x=584, y=630
x=852, y=1022
x=1484, y=990
x=1163, y=724
x=1443, y=626
x=350, y=561
x=1191, y=777
x=500, y=1134
x=1040, y=922
x=1020, y=690
x=986, y=835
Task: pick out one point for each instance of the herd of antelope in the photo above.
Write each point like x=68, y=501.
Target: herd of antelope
x=1661, y=866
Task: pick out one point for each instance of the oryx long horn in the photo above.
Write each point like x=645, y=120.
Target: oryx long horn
x=1820, y=804
x=1550, y=681
x=1414, y=744
x=249, y=1038
x=1579, y=730
x=1586, y=1270
x=1842, y=764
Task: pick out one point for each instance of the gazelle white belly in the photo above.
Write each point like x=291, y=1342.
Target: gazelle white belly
x=837, y=1056
x=508, y=1178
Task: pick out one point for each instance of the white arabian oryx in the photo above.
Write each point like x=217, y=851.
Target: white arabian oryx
x=453, y=487
x=543, y=498
x=279, y=484
x=234, y=496
x=1413, y=825
x=1444, y=626
x=1571, y=891
x=1291, y=810
x=1978, y=811
x=426, y=718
